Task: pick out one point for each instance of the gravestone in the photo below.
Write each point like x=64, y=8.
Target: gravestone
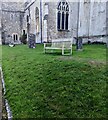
x=79, y=44
x=31, y=41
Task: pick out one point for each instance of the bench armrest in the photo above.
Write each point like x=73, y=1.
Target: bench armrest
x=44, y=45
x=47, y=45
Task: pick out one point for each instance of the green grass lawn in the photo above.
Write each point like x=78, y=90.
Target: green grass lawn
x=53, y=86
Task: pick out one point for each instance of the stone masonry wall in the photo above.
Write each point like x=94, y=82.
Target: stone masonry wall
x=0, y=24
x=53, y=33
x=87, y=19
x=12, y=20
x=92, y=21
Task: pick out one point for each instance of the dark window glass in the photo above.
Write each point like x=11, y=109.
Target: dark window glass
x=23, y=32
x=59, y=6
x=16, y=37
x=27, y=18
x=63, y=3
x=59, y=17
x=67, y=8
x=63, y=20
x=66, y=21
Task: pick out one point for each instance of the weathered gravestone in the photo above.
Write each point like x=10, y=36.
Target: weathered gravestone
x=79, y=44
x=31, y=41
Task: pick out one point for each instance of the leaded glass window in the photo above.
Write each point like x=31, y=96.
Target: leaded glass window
x=62, y=16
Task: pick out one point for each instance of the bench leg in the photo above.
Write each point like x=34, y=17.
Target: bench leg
x=44, y=50
x=62, y=51
x=71, y=51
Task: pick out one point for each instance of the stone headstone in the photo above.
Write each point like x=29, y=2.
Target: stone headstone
x=31, y=41
x=79, y=44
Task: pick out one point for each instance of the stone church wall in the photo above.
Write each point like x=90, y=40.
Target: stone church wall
x=53, y=33
x=86, y=20
x=30, y=10
x=12, y=20
x=92, y=21
x=0, y=25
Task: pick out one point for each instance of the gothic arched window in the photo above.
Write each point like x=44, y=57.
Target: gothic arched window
x=62, y=16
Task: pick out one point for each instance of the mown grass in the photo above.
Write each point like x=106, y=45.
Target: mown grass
x=53, y=86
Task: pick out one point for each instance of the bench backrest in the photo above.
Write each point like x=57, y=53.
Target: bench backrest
x=60, y=44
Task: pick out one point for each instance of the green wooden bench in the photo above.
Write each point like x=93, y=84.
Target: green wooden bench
x=59, y=45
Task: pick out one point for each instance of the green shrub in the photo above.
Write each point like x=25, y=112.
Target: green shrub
x=24, y=39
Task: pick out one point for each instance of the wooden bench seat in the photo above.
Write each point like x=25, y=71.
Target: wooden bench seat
x=59, y=45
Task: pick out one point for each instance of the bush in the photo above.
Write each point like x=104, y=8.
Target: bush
x=24, y=39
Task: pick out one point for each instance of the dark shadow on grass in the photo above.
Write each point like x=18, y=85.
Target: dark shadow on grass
x=57, y=53
x=53, y=53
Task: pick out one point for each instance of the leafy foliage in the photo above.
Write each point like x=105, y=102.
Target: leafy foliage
x=24, y=39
